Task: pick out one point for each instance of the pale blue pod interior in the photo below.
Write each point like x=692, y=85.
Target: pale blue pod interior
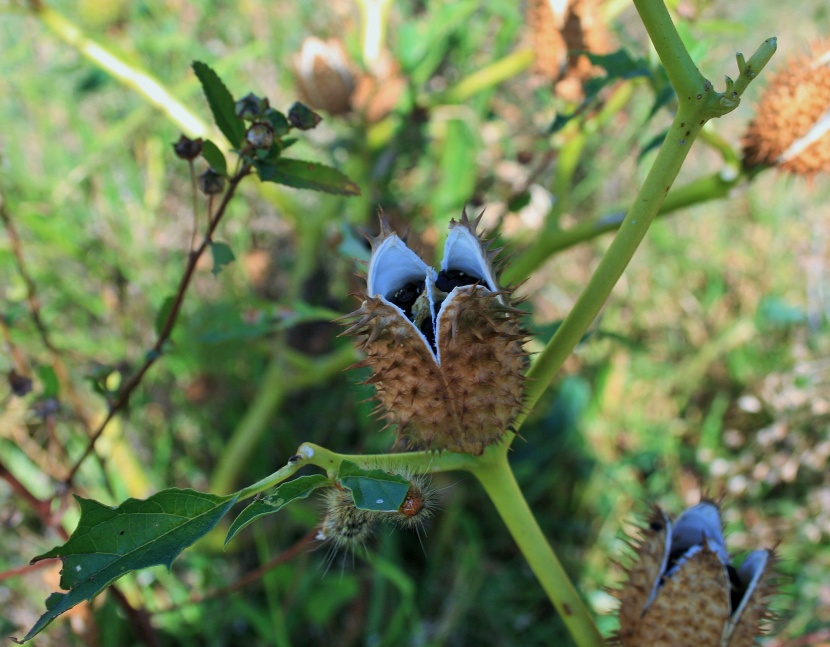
x=391, y=267
x=462, y=251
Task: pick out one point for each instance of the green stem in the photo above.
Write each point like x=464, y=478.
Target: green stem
x=498, y=481
x=698, y=102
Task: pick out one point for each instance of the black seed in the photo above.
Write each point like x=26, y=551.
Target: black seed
x=428, y=329
x=737, y=590
x=449, y=279
x=406, y=296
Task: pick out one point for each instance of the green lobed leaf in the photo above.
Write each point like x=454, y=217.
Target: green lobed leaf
x=373, y=489
x=307, y=175
x=137, y=534
x=214, y=157
x=221, y=103
x=299, y=488
x=222, y=255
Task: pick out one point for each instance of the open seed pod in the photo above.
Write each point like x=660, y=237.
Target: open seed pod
x=445, y=347
x=683, y=591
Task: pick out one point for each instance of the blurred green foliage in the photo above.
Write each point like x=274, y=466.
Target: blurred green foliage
x=707, y=374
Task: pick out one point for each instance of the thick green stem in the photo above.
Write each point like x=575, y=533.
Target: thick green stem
x=698, y=103
x=498, y=481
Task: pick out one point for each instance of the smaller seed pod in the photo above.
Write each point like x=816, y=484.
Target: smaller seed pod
x=791, y=127
x=445, y=347
x=683, y=591
x=344, y=525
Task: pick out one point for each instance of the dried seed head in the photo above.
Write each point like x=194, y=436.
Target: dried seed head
x=560, y=34
x=251, y=107
x=188, y=149
x=791, y=128
x=211, y=183
x=683, y=591
x=324, y=76
x=445, y=347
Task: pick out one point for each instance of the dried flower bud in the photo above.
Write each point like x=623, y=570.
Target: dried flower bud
x=251, y=107
x=19, y=384
x=260, y=135
x=445, y=347
x=188, y=149
x=302, y=117
x=791, y=129
x=211, y=182
x=324, y=75
x=683, y=591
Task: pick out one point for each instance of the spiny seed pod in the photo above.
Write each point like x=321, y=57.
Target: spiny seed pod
x=445, y=347
x=345, y=525
x=683, y=591
x=791, y=129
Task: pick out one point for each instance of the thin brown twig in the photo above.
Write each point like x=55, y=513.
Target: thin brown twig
x=155, y=352
x=24, y=570
x=40, y=507
x=250, y=577
x=33, y=302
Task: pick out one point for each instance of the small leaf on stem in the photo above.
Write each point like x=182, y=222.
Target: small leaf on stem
x=373, y=489
x=214, y=157
x=221, y=103
x=307, y=175
x=299, y=488
x=222, y=255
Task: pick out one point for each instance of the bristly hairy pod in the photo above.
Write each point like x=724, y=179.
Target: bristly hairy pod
x=683, y=591
x=445, y=347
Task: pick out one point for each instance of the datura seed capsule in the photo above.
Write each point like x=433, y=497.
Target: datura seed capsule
x=683, y=591
x=445, y=347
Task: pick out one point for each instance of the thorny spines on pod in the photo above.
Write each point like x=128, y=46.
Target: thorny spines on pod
x=683, y=591
x=445, y=348
x=791, y=126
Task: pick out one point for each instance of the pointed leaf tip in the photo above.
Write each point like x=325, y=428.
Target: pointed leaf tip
x=221, y=103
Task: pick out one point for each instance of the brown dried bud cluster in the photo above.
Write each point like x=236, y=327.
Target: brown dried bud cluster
x=791, y=128
x=560, y=32
x=683, y=590
x=445, y=347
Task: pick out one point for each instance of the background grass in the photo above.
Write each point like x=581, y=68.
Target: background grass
x=707, y=373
